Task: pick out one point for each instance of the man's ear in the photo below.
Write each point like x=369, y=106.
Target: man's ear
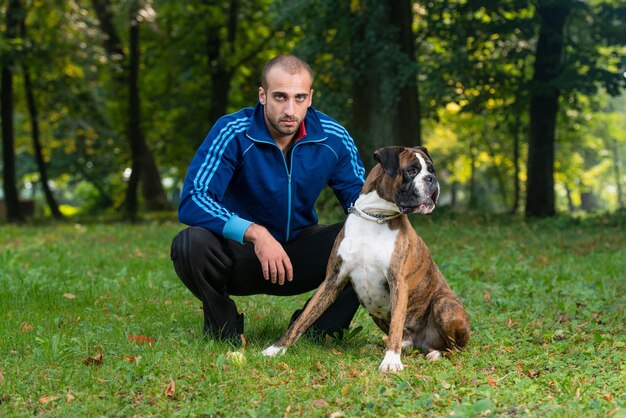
x=389, y=159
x=262, y=95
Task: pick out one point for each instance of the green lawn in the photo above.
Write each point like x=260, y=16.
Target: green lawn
x=546, y=301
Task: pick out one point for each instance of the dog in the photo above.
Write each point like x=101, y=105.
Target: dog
x=389, y=266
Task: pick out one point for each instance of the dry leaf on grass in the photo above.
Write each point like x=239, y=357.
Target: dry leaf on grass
x=1, y=377
x=319, y=403
x=487, y=296
x=170, y=390
x=94, y=361
x=25, y=327
x=140, y=339
x=46, y=399
x=68, y=296
x=69, y=398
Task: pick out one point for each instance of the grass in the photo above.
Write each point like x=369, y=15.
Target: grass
x=546, y=301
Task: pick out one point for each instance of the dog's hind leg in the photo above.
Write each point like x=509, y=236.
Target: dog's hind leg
x=447, y=328
x=321, y=300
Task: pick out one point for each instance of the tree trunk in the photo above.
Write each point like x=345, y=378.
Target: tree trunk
x=135, y=135
x=544, y=106
x=473, y=193
x=516, y=170
x=614, y=147
x=407, y=119
x=496, y=168
x=143, y=164
x=219, y=69
x=14, y=212
x=41, y=164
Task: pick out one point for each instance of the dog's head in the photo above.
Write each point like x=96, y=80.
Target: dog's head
x=409, y=179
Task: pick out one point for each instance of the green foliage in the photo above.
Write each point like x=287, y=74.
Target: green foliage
x=201, y=59
x=545, y=298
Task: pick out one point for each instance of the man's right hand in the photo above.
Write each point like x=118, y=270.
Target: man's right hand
x=274, y=260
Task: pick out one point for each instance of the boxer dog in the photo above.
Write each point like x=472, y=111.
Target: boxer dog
x=389, y=266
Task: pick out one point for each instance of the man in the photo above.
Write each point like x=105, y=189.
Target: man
x=249, y=200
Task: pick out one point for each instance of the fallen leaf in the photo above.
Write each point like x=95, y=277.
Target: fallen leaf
x=140, y=339
x=130, y=359
x=319, y=403
x=336, y=352
x=94, y=361
x=68, y=296
x=1, y=377
x=608, y=396
x=487, y=296
x=69, y=398
x=287, y=410
x=244, y=343
x=46, y=399
x=492, y=381
x=25, y=327
x=170, y=390
x=336, y=415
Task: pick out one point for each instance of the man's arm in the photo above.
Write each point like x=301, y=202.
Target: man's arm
x=274, y=260
x=208, y=177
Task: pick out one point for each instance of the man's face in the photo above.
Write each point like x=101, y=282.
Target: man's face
x=286, y=101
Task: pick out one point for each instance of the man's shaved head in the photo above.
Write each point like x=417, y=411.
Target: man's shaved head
x=288, y=63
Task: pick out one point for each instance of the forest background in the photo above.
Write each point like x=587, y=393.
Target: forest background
x=104, y=102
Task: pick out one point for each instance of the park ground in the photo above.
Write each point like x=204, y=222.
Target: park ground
x=93, y=321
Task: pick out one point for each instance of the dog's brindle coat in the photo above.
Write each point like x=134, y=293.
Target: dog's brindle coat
x=389, y=265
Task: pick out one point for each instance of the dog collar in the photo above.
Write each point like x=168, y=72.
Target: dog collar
x=379, y=218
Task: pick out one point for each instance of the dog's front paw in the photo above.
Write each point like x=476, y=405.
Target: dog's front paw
x=274, y=350
x=434, y=355
x=391, y=362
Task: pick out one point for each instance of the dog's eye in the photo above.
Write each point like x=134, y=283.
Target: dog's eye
x=411, y=171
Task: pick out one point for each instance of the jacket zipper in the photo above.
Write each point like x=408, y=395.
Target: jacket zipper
x=288, y=171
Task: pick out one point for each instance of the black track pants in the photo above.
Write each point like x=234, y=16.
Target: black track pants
x=214, y=268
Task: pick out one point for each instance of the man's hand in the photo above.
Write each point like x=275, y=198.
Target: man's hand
x=274, y=260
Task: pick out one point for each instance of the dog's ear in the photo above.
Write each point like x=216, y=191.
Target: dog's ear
x=389, y=159
x=425, y=151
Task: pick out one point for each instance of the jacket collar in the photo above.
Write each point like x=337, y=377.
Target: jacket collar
x=258, y=129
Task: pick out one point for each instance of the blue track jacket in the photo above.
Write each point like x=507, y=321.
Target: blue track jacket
x=239, y=176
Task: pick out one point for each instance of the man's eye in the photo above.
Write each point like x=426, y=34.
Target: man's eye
x=300, y=98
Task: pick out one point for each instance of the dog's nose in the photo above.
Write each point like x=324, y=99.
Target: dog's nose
x=429, y=178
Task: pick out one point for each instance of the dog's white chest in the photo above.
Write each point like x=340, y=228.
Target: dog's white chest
x=366, y=251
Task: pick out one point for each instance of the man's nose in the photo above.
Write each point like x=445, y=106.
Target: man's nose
x=289, y=107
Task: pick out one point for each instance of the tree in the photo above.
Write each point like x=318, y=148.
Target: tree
x=364, y=56
x=544, y=107
x=37, y=147
x=576, y=52
x=143, y=166
x=13, y=16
